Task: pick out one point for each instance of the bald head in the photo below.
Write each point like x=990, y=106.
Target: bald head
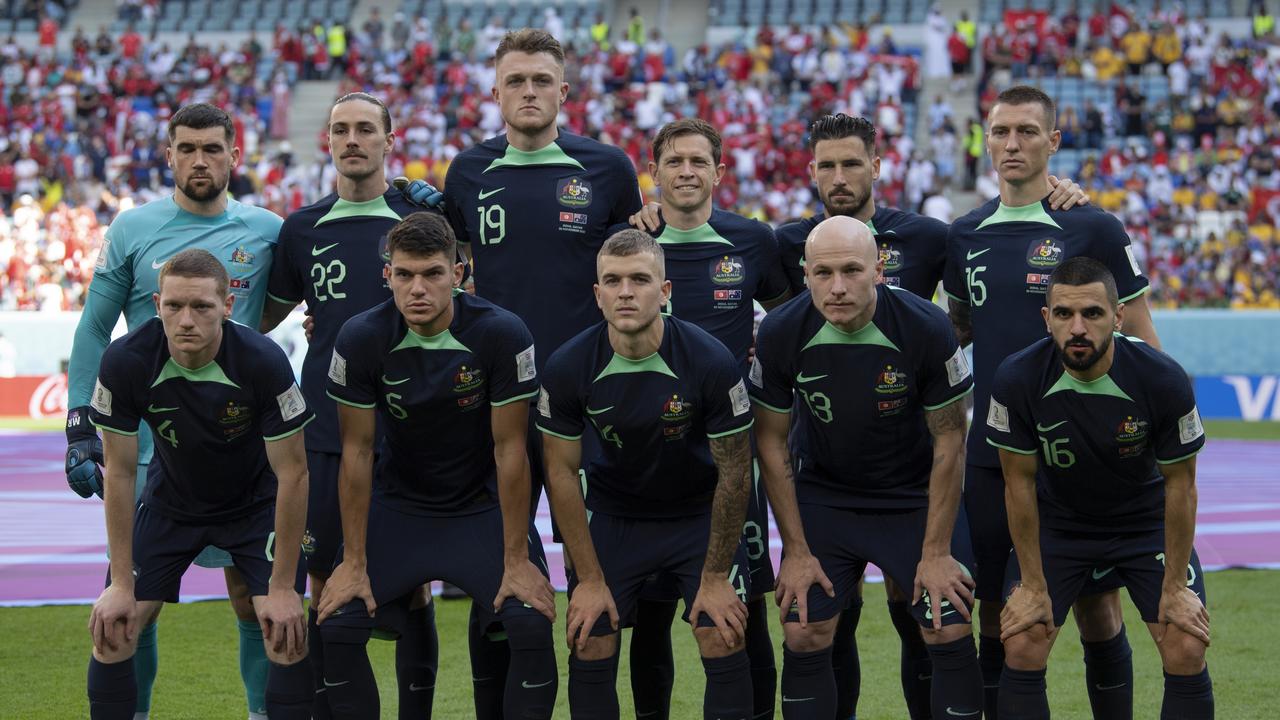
x=842, y=266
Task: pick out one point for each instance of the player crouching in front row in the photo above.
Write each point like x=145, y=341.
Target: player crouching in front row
x=213, y=391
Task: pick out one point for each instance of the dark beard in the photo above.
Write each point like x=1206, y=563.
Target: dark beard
x=1089, y=360
x=859, y=201
x=205, y=195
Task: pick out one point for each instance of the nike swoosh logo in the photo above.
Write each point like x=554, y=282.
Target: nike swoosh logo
x=957, y=713
x=337, y=684
x=157, y=264
x=786, y=699
x=322, y=250
x=419, y=688
x=475, y=679
x=971, y=255
x=597, y=412
x=924, y=677
x=1098, y=576
x=801, y=378
x=1047, y=429
x=527, y=686
x=484, y=194
x=154, y=409
x=388, y=381
x=1100, y=686
x=646, y=714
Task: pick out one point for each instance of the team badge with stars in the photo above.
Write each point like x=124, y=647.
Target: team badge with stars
x=891, y=381
x=574, y=192
x=1045, y=253
x=467, y=379
x=241, y=256
x=235, y=419
x=891, y=257
x=728, y=270
x=1131, y=436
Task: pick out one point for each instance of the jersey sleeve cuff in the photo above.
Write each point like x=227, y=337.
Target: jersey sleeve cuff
x=771, y=408
x=295, y=431
x=517, y=398
x=1015, y=450
x=945, y=403
x=1178, y=460
x=735, y=431
x=286, y=301
x=556, y=434
x=957, y=298
x=370, y=406
x=1142, y=291
x=117, y=431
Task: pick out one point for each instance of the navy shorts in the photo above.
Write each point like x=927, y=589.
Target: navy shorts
x=989, y=533
x=323, y=536
x=1073, y=560
x=632, y=550
x=844, y=540
x=163, y=549
x=404, y=550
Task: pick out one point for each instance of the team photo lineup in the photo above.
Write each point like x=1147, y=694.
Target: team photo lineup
x=680, y=362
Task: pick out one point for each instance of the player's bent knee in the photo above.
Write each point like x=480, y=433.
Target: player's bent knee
x=1028, y=650
x=948, y=633
x=122, y=652
x=1181, y=653
x=816, y=636
x=711, y=643
x=528, y=632
x=598, y=647
x=1099, y=617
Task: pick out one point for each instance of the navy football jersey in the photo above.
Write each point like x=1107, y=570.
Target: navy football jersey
x=434, y=395
x=861, y=441
x=716, y=271
x=535, y=220
x=331, y=256
x=999, y=260
x=912, y=246
x=209, y=424
x=1099, y=444
x=652, y=417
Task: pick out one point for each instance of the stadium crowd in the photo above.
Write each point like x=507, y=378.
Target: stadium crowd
x=1193, y=174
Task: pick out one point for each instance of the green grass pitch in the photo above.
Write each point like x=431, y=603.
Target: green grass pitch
x=45, y=652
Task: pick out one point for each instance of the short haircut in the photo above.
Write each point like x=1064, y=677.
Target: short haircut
x=626, y=243
x=199, y=116
x=1024, y=95
x=687, y=126
x=195, y=263
x=841, y=126
x=531, y=41
x=422, y=234
x=1084, y=271
x=372, y=100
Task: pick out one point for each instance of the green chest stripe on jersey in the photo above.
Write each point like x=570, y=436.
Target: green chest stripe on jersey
x=619, y=365
x=549, y=155
x=704, y=233
x=869, y=334
x=342, y=209
x=440, y=341
x=1023, y=213
x=209, y=373
x=1102, y=386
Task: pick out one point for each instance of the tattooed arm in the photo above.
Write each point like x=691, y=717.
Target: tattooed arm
x=721, y=595
x=959, y=311
x=939, y=574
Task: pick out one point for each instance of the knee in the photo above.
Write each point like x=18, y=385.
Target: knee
x=948, y=633
x=1181, y=653
x=1099, y=616
x=243, y=608
x=598, y=647
x=814, y=637
x=1029, y=649
x=122, y=652
x=711, y=643
x=528, y=632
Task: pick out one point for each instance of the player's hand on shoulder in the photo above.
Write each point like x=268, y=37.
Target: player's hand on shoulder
x=113, y=623
x=942, y=579
x=347, y=583
x=84, y=454
x=590, y=600
x=422, y=193
x=1065, y=194
x=1183, y=609
x=1025, y=608
x=283, y=626
x=796, y=574
x=648, y=218
x=522, y=581
x=309, y=325
x=718, y=600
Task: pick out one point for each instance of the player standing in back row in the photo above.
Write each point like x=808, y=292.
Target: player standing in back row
x=331, y=256
x=999, y=259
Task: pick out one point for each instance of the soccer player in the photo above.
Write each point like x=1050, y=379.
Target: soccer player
x=718, y=264
x=876, y=477
x=214, y=391
x=450, y=377
x=331, y=256
x=199, y=214
x=668, y=491
x=1097, y=435
x=999, y=259
x=844, y=169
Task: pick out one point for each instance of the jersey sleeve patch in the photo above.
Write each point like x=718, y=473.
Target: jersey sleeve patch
x=1133, y=260
x=957, y=367
x=998, y=416
x=291, y=403
x=1190, y=428
x=102, y=399
x=525, y=368
x=544, y=403
x=757, y=373
x=338, y=369
x=739, y=400
x=101, y=264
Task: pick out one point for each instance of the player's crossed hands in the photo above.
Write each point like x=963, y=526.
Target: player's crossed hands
x=348, y=582
x=522, y=581
x=796, y=574
x=590, y=600
x=718, y=600
x=283, y=626
x=1027, y=606
x=941, y=578
x=114, y=620
x=1182, y=609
